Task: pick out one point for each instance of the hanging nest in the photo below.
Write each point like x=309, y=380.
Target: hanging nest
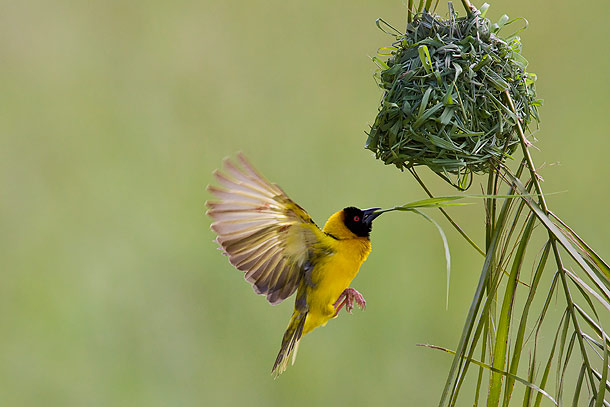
x=444, y=104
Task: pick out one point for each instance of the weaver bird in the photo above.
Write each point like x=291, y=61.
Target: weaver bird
x=281, y=250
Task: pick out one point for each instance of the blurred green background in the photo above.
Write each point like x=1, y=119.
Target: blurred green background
x=114, y=115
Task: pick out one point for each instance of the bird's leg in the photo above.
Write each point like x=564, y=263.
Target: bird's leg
x=347, y=298
x=340, y=303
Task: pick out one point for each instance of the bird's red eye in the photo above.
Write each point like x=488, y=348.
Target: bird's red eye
x=356, y=218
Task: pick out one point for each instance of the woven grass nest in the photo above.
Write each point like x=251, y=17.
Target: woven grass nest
x=444, y=102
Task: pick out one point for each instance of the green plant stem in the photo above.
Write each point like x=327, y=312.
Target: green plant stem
x=489, y=212
x=459, y=365
x=501, y=344
x=428, y=5
x=490, y=231
x=561, y=269
x=455, y=225
x=470, y=9
x=483, y=355
x=514, y=364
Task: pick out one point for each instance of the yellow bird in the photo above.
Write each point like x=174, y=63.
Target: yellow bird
x=281, y=250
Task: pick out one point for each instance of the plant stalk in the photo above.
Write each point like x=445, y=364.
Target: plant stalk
x=453, y=223
x=470, y=9
x=561, y=269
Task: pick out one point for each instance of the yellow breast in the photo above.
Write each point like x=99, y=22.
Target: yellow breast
x=332, y=276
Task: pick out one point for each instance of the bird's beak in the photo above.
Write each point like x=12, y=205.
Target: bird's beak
x=370, y=214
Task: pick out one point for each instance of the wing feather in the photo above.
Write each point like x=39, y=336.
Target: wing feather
x=230, y=195
x=263, y=232
x=240, y=186
x=245, y=262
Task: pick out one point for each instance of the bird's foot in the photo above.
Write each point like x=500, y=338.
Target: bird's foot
x=347, y=298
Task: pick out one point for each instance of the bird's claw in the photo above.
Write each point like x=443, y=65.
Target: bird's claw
x=351, y=296
x=347, y=298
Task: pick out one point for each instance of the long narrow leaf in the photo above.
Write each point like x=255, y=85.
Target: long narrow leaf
x=500, y=348
x=445, y=245
x=599, y=262
x=599, y=377
x=527, y=396
x=578, y=388
x=429, y=203
x=561, y=371
x=448, y=391
x=485, y=326
x=494, y=370
x=563, y=326
x=514, y=365
x=480, y=376
x=444, y=212
x=591, y=291
x=601, y=391
x=561, y=238
x=591, y=322
x=460, y=364
x=443, y=201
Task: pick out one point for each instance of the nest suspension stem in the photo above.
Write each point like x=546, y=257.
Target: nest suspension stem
x=470, y=9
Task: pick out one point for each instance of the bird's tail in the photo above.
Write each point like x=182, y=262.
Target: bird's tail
x=290, y=342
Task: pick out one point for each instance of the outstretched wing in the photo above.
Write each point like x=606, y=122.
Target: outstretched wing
x=262, y=231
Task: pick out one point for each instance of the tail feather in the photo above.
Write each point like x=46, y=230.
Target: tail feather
x=290, y=343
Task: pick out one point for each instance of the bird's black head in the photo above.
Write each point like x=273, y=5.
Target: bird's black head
x=360, y=221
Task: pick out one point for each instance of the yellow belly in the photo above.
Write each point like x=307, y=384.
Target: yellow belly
x=330, y=279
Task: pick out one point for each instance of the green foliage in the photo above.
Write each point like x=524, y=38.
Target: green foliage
x=442, y=105
x=579, y=333
x=457, y=99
